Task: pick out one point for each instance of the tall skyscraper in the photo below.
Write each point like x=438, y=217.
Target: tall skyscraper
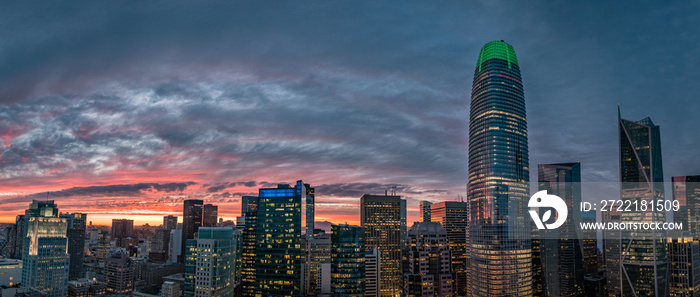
x=119, y=274
x=45, y=258
x=612, y=254
x=372, y=272
x=76, y=223
x=429, y=271
x=309, y=212
x=561, y=249
x=192, y=212
x=382, y=218
x=347, y=261
x=249, y=210
x=684, y=265
x=425, y=211
x=122, y=229
x=686, y=189
x=644, y=262
x=209, y=263
x=210, y=215
x=175, y=245
x=453, y=216
x=169, y=222
x=319, y=252
x=498, y=187
x=279, y=252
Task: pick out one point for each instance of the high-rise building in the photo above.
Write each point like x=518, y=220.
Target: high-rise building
x=248, y=204
x=20, y=233
x=119, y=273
x=561, y=249
x=372, y=272
x=160, y=243
x=169, y=222
x=309, y=212
x=192, y=212
x=319, y=251
x=279, y=252
x=175, y=245
x=249, y=209
x=684, y=265
x=210, y=215
x=237, y=256
x=382, y=218
x=425, y=211
x=686, y=190
x=429, y=271
x=209, y=263
x=644, y=262
x=45, y=258
x=122, y=230
x=453, y=216
x=612, y=253
x=347, y=261
x=498, y=187
x=76, y=223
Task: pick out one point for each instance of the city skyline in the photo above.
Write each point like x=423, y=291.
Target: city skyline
x=217, y=107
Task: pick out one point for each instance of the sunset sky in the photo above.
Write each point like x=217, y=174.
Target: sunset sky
x=124, y=109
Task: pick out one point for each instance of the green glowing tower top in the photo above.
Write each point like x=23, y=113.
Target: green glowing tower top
x=497, y=50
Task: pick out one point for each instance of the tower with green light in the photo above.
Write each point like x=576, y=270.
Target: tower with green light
x=499, y=251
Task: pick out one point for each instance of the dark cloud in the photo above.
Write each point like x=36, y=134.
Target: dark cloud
x=115, y=190
x=356, y=97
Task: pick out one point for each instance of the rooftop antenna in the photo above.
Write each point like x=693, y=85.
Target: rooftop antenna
x=460, y=197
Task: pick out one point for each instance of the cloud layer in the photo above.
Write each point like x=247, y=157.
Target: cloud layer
x=113, y=107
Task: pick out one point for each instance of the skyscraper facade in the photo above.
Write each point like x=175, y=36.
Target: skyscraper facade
x=453, y=215
x=425, y=211
x=210, y=263
x=347, y=261
x=319, y=251
x=686, y=190
x=684, y=265
x=249, y=210
x=169, y=222
x=279, y=252
x=372, y=272
x=429, y=263
x=644, y=262
x=382, y=217
x=122, y=229
x=45, y=259
x=76, y=223
x=210, y=214
x=498, y=186
x=192, y=212
x=119, y=274
x=561, y=249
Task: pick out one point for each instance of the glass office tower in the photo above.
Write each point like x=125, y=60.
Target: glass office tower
x=279, y=250
x=452, y=215
x=45, y=255
x=382, y=217
x=76, y=243
x=192, y=212
x=644, y=264
x=686, y=189
x=347, y=261
x=561, y=249
x=498, y=188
